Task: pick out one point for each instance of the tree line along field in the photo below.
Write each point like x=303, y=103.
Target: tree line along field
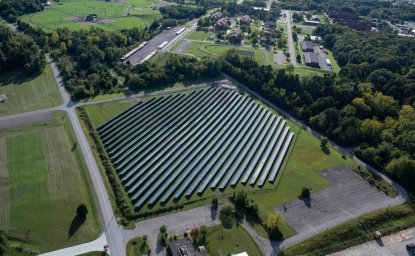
x=176, y=146
x=27, y=93
x=43, y=180
x=114, y=15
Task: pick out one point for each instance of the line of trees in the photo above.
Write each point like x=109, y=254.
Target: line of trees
x=369, y=105
x=174, y=69
x=11, y=9
x=390, y=10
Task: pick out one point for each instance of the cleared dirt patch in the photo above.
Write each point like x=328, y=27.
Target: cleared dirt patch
x=349, y=195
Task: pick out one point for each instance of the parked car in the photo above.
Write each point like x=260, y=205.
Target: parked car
x=411, y=248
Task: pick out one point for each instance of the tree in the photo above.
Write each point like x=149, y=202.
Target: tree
x=215, y=202
x=272, y=225
x=4, y=243
x=226, y=214
x=403, y=169
x=163, y=235
x=324, y=142
x=298, y=57
x=194, y=233
x=290, y=68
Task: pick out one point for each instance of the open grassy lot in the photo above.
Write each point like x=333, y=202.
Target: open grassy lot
x=334, y=65
x=111, y=15
x=100, y=113
x=200, y=35
x=43, y=180
x=137, y=247
x=235, y=240
x=201, y=50
x=26, y=93
x=356, y=231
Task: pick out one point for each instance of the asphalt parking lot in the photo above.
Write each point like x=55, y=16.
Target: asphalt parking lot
x=349, y=196
x=322, y=56
x=165, y=35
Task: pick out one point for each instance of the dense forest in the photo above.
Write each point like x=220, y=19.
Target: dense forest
x=18, y=51
x=390, y=10
x=89, y=59
x=369, y=105
x=174, y=69
x=182, y=12
x=11, y=9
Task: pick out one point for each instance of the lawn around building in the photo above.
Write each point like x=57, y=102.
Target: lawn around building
x=233, y=241
x=137, y=246
x=26, y=93
x=111, y=15
x=43, y=180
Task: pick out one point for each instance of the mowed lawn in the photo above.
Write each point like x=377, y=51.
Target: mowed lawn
x=43, y=180
x=111, y=15
x=235, y=240
x=27, y=93
x=201, y=50
x=100, y=113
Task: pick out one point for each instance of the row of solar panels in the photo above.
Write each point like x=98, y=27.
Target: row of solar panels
x=169, y=145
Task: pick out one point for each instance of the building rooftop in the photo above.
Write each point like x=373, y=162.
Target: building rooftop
x=184, y=247
x=310, y=57
x=307, y=46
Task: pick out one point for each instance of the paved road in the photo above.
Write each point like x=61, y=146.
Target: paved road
x=111, y=228
x=290, y=39
x=392, y=245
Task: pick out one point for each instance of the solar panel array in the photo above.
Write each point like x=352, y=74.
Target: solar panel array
x=173, y=146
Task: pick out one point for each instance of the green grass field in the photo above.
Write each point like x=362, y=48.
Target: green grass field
x=201, y=50
x=137, y=247
x=28, y=93
x=100, y=113
x=200, y=35
x=111, y=15
x=235, y=240
x=43, y=179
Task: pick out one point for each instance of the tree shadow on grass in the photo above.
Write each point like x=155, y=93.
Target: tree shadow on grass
x=76, y=223
x=213, y=212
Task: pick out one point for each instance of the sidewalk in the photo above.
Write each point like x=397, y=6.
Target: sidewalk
x=96, y=245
